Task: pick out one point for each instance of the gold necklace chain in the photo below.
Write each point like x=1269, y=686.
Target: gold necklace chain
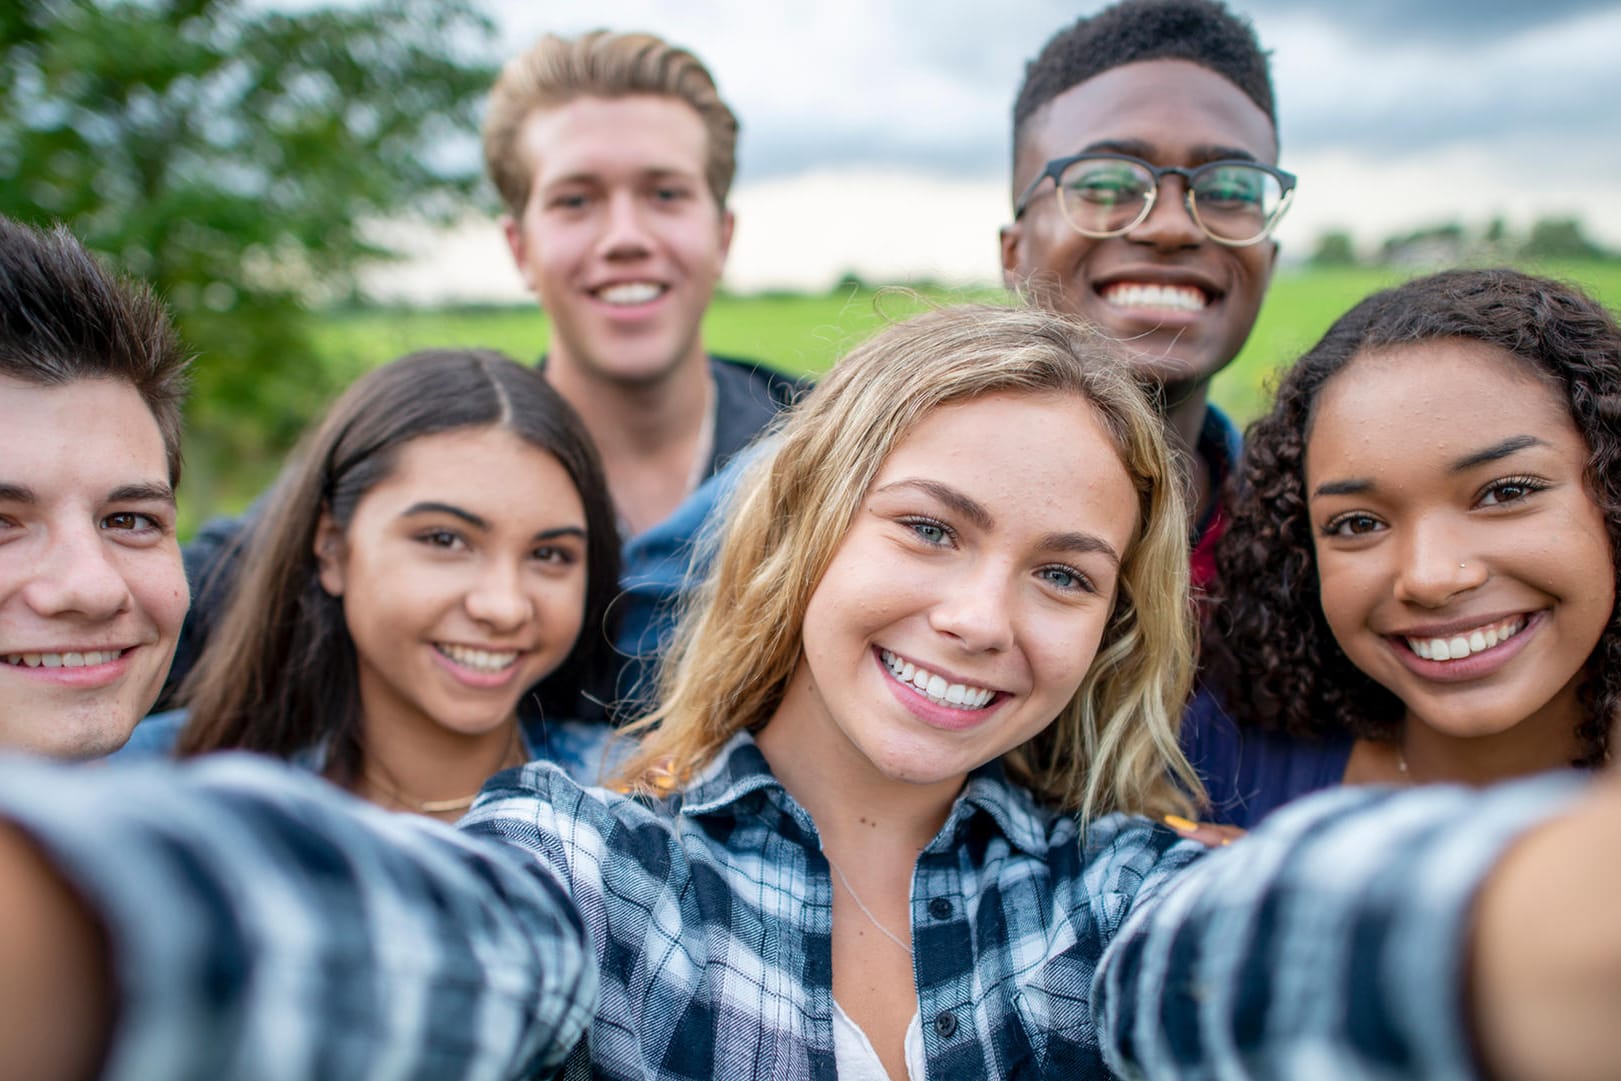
x=436, y=806
x=865, y=911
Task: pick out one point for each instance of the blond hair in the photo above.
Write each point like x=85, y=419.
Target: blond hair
x=1114, y=745
x=601, y=64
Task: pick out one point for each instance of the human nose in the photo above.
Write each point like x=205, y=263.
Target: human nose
x=1169, y=222
x=975, y=608
x=497, y=598
x=625, y=231
x=1437, y=565
x=77, y=576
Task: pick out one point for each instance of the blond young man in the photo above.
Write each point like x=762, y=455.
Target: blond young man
x=614, y=155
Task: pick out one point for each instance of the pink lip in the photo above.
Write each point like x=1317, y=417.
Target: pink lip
x=932, y=713
x=473, y=678
x=1474, y=666
x=85, y=677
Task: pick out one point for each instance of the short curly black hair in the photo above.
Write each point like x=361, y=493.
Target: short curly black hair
x=1269, y=649
x=1202, y=31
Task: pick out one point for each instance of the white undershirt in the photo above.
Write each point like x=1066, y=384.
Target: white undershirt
x=855, y=1058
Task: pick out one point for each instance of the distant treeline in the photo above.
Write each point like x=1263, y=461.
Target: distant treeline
x=1450, y=243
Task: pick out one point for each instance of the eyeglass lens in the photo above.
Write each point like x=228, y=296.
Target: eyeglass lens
x=1233, y=202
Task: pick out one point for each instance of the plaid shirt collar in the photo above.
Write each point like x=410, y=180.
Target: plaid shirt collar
x=739, y=780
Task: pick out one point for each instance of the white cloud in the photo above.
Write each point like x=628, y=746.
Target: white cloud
x=875, y=133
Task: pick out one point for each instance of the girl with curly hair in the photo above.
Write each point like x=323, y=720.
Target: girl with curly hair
x=1419, y=581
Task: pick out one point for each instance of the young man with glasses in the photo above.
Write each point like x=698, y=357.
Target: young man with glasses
x=1145, y=194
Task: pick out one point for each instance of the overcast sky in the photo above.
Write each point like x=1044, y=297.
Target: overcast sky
x=875, y=132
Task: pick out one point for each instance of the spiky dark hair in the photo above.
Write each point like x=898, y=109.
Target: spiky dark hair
x=64, y=318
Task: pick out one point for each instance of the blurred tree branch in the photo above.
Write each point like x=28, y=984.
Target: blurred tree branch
x=235, y=155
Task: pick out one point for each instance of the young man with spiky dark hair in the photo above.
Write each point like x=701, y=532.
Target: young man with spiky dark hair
x=1145, y=192
x=92, y=592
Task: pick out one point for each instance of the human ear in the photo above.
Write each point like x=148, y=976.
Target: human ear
x=512, y=230
x=728, y=222
x=1010, y=235
x=330, y=554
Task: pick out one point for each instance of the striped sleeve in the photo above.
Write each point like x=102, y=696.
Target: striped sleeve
x=264, y=926
x=1330, y=943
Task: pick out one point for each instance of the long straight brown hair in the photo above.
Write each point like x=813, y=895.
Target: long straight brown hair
x=279, y=674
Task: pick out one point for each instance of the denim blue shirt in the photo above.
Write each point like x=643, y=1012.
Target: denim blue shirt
x=691, y=939
x=584, y=750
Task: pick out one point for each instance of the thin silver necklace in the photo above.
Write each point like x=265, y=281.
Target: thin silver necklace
x=865, y=911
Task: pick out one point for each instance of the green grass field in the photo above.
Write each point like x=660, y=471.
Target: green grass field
x=807, y=333
x=804, y=334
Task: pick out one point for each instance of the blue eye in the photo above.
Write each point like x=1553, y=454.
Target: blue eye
x=932, y=532
x=1066, y=578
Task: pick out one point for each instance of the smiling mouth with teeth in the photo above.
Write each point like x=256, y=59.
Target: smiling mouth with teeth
x=935, y=688
x=479, y=660
x=83, y=659
x=630, y=293
x=1185, y=298
x=1456, y=647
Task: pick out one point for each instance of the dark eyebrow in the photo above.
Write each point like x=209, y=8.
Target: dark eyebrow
x=1496, y=451
x=980, y=517
x=1354, y=486
x=1198, y=154
x=142, y=493
x=957, y=501
x=445, y=508
x=1080, y=542
x=128, y=493
x=479, y=523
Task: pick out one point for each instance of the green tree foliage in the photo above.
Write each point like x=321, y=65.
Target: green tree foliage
x=1560, y=238
x=1334, y=249
x=235, y=156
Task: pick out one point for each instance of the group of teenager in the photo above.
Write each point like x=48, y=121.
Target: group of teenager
x=877, y=729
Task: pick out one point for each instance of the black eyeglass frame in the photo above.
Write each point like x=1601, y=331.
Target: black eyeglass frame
x=1055, y=170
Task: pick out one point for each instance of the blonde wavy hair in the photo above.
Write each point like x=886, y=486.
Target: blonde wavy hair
x=1114, y=746
x=602, y=64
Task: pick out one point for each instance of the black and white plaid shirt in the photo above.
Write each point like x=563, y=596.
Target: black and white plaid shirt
x=263, y=926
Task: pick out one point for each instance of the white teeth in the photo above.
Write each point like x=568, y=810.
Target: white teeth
x=630, y=292
x=481, y=660
x=1459, y=646
x=956, y=695
x=1185, y=298
x=85, y=659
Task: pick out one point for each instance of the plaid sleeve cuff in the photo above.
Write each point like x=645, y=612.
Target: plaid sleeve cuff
x=263, y=925
x=1331, y=943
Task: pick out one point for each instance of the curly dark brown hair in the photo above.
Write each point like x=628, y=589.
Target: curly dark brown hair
x=1269, y=648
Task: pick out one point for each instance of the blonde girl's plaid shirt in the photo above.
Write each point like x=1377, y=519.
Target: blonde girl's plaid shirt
x=263, y=928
